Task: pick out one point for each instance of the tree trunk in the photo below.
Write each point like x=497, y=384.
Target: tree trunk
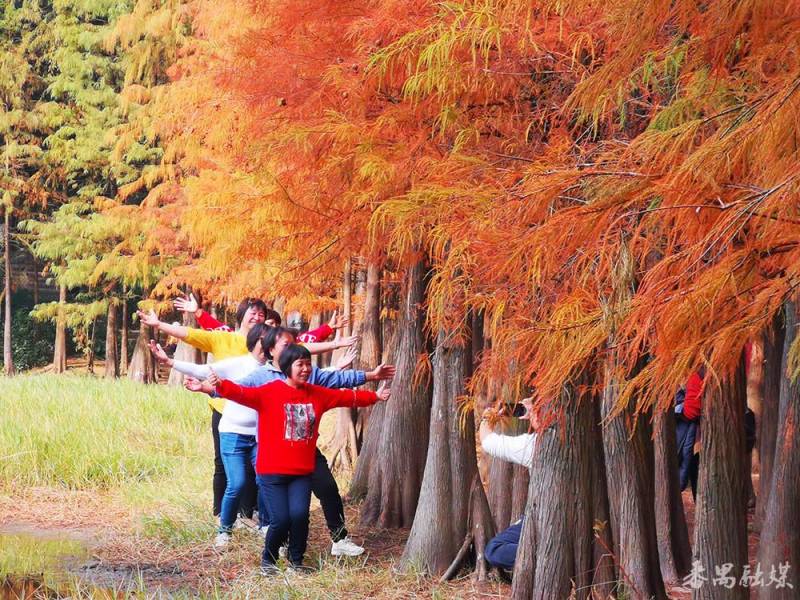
x=629, y=456
x=123, y=338
x=344, y=443
x=367, y=465
x=184, y=352
x=35, y=281
x=393, y=491
x=143, y=365
x=554, y=559
x=773, y=340
x=674, y=550
x=371, y=343
x=605, y=572
x=440, y=523
x=60, y=346
x=8, y=357
x=92, y=340
x=780, y=535
x=112, y=366
x=720, y=535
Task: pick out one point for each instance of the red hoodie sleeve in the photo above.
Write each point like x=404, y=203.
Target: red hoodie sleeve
x=694, y=396
x=248, y=396
x=320, y=334
x=209, y=323
x=344, y=398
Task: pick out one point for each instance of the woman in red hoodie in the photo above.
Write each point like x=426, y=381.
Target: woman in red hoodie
x=289, y=413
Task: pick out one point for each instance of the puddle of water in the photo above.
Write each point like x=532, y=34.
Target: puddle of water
x=25, y=554
x=35, y=566
x=41, y=564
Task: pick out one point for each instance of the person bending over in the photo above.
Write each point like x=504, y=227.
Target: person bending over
x=501, y=550
x=289, y=413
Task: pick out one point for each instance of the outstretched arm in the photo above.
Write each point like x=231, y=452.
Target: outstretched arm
x=250, y=397
x=205, y=320
x=352, y=398
x=320, y=347
x=151, y=320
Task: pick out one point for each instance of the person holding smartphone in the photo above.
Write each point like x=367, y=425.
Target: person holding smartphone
x=501, y=550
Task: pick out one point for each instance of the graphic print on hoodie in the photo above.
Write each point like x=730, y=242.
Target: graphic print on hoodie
x=299, y=421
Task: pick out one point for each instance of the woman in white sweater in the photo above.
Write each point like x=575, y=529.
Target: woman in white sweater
x=237, y=427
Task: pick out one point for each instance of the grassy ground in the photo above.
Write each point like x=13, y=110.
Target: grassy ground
x=121, y=472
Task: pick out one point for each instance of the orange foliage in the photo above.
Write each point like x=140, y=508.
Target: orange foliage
x=597, y=177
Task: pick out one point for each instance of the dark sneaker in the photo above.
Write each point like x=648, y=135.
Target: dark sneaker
x=301, y=569
x=269, y=570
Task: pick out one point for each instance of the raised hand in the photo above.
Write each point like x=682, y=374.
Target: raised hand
x=347, y=358
x=384, y=392
x=187, y=305
x=159, y=353
x=213, y=379
x=338, y=321
x=381, y=372
x=348, y=341
x=148, y=318
x=192, y=384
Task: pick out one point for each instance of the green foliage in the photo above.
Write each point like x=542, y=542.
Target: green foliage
x=33, y=340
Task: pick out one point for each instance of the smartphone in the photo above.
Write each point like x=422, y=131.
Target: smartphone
x=516, y=410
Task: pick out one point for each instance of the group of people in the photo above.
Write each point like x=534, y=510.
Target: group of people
x=267, y=401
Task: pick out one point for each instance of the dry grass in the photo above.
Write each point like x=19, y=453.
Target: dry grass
x=151, y=530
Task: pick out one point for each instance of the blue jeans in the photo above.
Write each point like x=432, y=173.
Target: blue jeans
x=236, y=450
x=501, y=550
x=289, y=500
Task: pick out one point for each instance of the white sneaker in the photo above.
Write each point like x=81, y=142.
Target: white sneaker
x=222, y=540
x=346, y=547
x=262, y=531
x=283, y=552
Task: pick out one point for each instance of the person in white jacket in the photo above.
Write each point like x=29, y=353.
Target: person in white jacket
x=501, y=551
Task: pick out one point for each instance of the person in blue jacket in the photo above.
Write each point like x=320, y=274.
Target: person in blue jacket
x=323, y=484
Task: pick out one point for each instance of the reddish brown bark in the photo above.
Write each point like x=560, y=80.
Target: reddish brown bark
x=605, y=572
x=184, y=352
x=123, y=338
x=674, y=550
x=780, y=535
x=396, y=476
x=342, y=450
x=555, y=554
x=143, y=366
x=8, y=358
x=111, y=363
x=773, y=340
x=60, y=344
x=440, y=523
x=721, y=527
x=629, y=457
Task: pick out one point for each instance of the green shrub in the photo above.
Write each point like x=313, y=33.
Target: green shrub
x=31, y=341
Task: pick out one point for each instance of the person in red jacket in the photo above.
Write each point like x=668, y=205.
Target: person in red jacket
x=289, y=414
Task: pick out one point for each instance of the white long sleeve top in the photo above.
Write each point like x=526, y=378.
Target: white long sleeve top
x=236, y=418
x=513, y=448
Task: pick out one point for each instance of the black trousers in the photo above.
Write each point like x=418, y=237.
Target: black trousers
x=324, y=487
x=220, y=481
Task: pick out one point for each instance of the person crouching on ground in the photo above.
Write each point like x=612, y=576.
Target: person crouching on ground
x=501, y=550
x=289, y=414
